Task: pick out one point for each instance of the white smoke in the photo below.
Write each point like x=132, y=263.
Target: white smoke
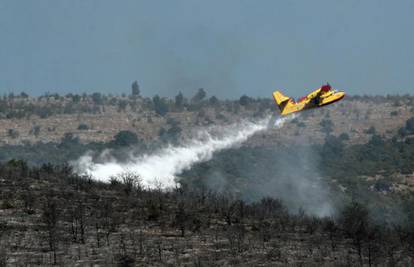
x=161, y=167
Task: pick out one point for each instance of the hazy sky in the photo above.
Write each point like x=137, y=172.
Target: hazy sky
x=228, y=47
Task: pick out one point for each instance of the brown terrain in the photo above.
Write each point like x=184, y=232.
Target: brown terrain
x=351, y=116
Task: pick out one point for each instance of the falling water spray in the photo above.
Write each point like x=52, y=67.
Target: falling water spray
x=161, y=167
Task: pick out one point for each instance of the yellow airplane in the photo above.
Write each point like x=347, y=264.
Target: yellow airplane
x=320, y=97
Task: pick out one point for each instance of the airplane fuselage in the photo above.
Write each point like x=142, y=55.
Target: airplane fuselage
x=318, y=98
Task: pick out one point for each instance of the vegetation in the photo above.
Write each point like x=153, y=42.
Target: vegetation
x=24, y=106
x=125, y=138
x=226, y=211
x=57, y=217
x=135, y=89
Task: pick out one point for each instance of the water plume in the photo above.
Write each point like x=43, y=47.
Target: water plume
x=161, y=167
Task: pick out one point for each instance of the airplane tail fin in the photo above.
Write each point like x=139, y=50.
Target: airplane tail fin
x=281, y=100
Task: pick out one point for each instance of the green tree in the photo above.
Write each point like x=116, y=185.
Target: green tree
x=135, y=89
x=344, y=137
x=76, y=98
x=13, y=133
x=122, y=105
x=83, y=126
x=245, y=100
x=24, y=95
x=97, y=98
x=327, y=126
x=35, y=130
x=371, y=130
x=213, y=101
x=409, y=125
x=179, y=101
x=69, y=140
x=199, y=96
x=160, y=107
x=125, y=138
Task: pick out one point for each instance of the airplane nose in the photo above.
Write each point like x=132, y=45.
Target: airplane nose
x=340, y=94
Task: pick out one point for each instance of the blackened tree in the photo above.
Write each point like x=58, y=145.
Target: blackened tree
x=50, y=216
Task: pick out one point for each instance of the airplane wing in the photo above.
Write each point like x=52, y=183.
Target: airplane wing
x=315, y=96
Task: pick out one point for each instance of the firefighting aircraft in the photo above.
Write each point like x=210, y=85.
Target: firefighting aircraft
x=320, y=97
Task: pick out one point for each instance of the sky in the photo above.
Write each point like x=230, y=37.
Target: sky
x=229, y=48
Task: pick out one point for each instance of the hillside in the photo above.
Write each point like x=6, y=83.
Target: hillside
x=98, y=118
x=333, y=186
x=50, y=216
